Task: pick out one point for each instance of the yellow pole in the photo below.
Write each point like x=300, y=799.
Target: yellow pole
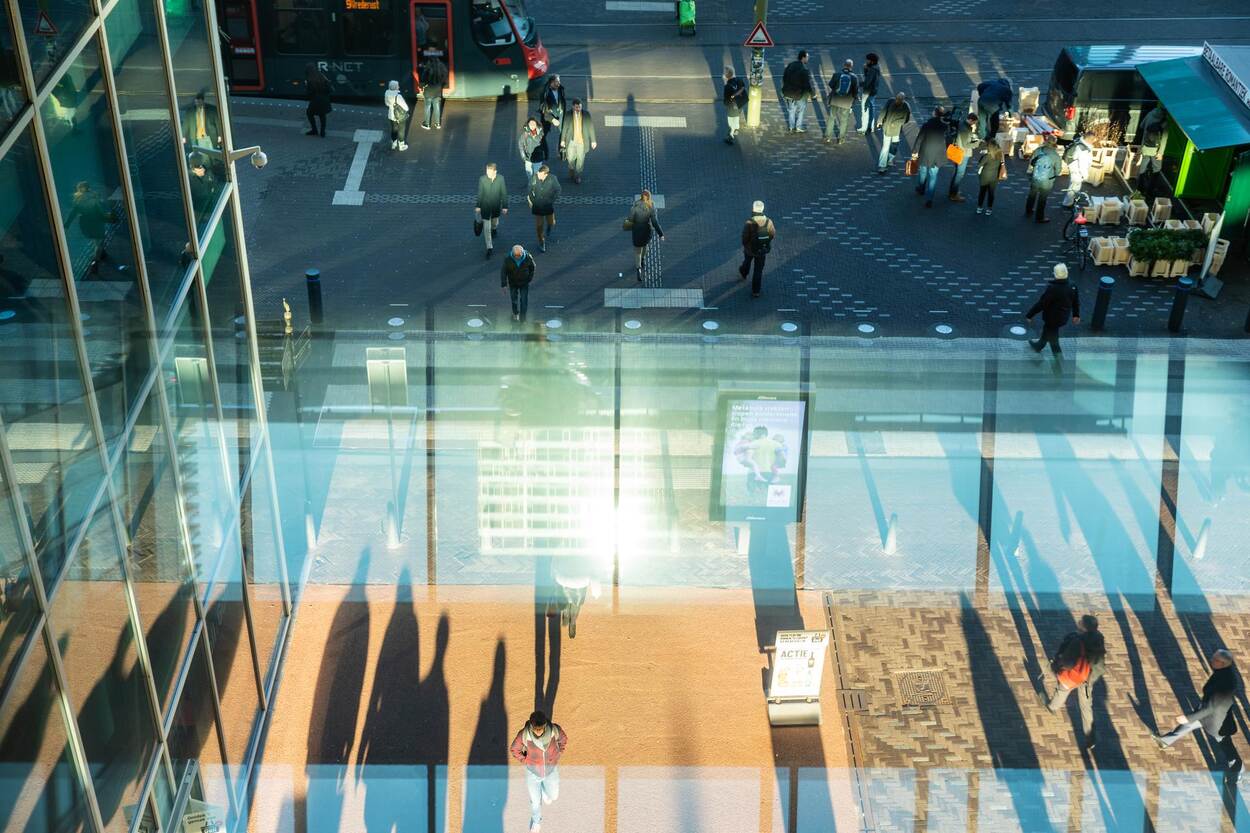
x=755, y=90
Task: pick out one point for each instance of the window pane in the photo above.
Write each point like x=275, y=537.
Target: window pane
x=38, y=789
x=197, y=438
x=84, y=164
x=193, y=734
x=152, y=151
x=90, y=620
x=158, y=563
x=12, y=97
x=231, y=350
x=41, y=394
x=67, y=19
x=262, y=562
x=303, y=27
x=368, y=31
x=17, y=598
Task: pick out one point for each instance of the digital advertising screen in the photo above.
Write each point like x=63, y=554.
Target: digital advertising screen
x=760, y=457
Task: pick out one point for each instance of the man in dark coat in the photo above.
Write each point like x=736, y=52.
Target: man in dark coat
x=796, y=88
x=1059, y=304
x=515, y=276
x=201, y=124
x=868, y=85
x=317, y=86
x=492, y=203
x=734, y=96
x=543, y=193
x=1215, y=714
x=930, y=153
x=552, y=107
x=204, y=187
x=993, y=99
x=757, y=241
x=434, y=78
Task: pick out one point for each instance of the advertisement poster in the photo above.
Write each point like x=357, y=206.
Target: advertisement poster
x=798, y=663
x=761, y=456
x=202, y=818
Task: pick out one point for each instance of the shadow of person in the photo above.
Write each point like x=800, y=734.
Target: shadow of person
x=431, y=713
x=546, y=636
x=486, y=788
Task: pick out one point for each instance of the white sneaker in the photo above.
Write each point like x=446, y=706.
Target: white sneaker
x=533, y=828
x=394, y=144
x=403, y=145
x=980, y=210
x=546, y=798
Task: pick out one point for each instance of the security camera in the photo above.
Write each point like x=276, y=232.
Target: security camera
x=259, y=160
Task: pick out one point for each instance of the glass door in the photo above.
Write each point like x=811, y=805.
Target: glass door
x=431, y=37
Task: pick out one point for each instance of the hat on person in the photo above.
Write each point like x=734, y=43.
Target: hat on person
x=758, y=206
x=1061, y=271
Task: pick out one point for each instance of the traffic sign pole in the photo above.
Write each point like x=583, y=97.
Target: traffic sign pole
x=755, y=90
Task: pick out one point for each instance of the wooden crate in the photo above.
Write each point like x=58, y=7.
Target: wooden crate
x=1101, y=250
x=1209, y=220
x=1161, y=210
x=1138, y=268
x=1138, y=213
x=1120, y=247
x=1112, y=212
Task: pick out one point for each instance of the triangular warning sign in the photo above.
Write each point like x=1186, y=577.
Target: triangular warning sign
x=44, y=25
x=759, y=37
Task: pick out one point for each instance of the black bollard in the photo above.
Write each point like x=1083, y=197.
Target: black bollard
x=1248, y=322
x=1102, y=302
x=1183, y=288
x=312, y=277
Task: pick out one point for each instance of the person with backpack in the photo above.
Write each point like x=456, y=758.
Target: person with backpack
x=1216, y=713
x=397, y=115
x=1059, y=304
x=796, y=88
x=734, y=95
x=1044, y=167
x=757, y=241
x=843, y=94
x=434, y=77
x=897, y=113
x=1078, y=664
x=1080, y=157
x=870, y=80
x=965, y=141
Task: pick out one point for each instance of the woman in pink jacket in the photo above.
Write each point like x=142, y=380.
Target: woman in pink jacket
x=539, y=745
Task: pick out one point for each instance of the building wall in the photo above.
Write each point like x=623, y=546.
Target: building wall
x=143, y=598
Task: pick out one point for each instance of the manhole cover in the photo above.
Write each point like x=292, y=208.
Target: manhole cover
x=921, y=688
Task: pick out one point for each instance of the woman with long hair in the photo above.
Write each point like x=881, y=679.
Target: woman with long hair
x=642, y=219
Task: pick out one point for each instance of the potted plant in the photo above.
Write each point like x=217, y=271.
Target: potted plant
x=1162, y=252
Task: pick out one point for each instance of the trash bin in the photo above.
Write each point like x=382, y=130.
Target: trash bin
x=685, y=17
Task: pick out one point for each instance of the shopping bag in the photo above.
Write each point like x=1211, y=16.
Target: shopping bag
x=477, y=226
x=912, y=167
x=955, y=153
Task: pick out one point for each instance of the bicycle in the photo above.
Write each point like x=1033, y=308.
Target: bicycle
x=1076, y=231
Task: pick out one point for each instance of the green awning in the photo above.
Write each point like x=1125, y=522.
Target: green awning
x=1200, y=102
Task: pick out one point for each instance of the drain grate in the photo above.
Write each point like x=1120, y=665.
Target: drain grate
x=854, y=699
x=922, y=688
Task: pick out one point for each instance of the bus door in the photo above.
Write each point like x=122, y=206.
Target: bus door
x=244, y=68
x=431, y=37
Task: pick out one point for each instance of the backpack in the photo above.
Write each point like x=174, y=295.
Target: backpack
x=1044, y=165
x=1077, y=673
x=845, y=80
x=763, y=242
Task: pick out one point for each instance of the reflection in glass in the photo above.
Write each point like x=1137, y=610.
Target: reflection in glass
x=106, y=688
x=262, y=562
x=231, y=348
x=148, y=499
x=38, y=789
x=152, y=152
x=199, y=111
x=193, y=735
x=197, y=438
x=52, y=28
x=12, y=96
x=49, y=431
x=84, y=163
x=17, y=597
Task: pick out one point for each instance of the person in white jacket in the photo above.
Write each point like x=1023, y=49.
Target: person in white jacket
x=1079, y=156
x=397, y=115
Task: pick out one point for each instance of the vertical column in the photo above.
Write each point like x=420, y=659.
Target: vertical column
x=985, y=505
x=1166, y=551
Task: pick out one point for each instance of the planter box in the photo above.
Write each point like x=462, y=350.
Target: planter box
x=1160, y=268
x=1192, y=225
x=1177, y=268
x=1131, y=162
x=1096, y=176
x=1111, y=213
x=1138, y=268
x=1138, y=213
x=1161, y=210
x=1101, y=250
x=1029, y=99
x=1216, y=262
x=1005, y=142
x=1208, y=221
x=1120, y=248
x=1173, y=225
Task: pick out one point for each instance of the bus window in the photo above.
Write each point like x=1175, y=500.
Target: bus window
x=303, y=27
x=490, y=25
x=367, y=28
x=429, y=27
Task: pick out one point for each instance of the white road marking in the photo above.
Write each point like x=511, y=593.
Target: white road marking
x=351, y=193
x=644, y=121
x=652, y=296
x=637, y=6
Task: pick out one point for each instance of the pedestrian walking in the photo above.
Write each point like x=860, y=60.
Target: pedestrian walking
x=843, y=95
x=869, y=81
x=1215, y=714
x=515, y=276
x=966, y=141
x=543, y=193
x=1044, y=167
x=204, y=186
x=552, y=106
x=896, y=114
x=1059, y=304
x=201, y=124
x=1154, y=140
x=492, y=204
x=539, y=745
x=757, y=241
x=434, y=77
x=578, y=139
x=797, y=87
x=734, y=96
x=641, y=221
x=992, y=170
x=96, y=219
x=396, y=115
x=1080, y=157
x=533, y=146
x=930, y=154
x=1078, y=664
x=317, y=86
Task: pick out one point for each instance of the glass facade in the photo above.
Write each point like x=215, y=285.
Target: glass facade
x=143, y=600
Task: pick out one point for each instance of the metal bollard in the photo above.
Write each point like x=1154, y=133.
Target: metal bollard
x=1183, y=288
x=1248, y=322
x=1105, y=284
x=312, y=277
